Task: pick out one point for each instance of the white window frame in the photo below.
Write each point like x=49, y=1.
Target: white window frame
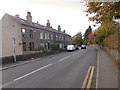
x=41, y=35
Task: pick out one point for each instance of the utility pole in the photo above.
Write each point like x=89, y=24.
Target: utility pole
x=14, y=53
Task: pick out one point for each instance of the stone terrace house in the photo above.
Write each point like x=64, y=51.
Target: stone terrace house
x=24, y=35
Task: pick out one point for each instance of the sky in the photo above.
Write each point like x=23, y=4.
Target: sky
x=69, y=14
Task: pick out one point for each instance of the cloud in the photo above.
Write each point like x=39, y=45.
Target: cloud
x=66, y=13
x=55, y=3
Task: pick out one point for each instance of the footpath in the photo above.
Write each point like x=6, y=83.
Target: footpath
x=108, y=74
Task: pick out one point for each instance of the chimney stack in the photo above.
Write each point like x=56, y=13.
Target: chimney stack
x=29, y=17
x=59, y=28
x=48, y=24
x=17, y=15
x=64, y=31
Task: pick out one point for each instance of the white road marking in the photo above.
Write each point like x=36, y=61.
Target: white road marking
x=74, y=53
x=63, y=58
x=26, y=75
x=38, y=69
x=32, y=72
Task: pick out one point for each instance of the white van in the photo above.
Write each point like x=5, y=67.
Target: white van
x=70, y=48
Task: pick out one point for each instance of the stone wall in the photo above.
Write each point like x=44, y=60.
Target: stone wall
x=114, y=53
x=22, y=57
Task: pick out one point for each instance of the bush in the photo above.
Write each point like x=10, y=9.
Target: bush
x=49, y=50
x=54, y=46
x=111, y=41
x=40, y=48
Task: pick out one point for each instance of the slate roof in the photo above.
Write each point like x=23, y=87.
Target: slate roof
x=34, y=25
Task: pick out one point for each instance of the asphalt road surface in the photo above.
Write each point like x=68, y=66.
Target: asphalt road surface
x=64, y=70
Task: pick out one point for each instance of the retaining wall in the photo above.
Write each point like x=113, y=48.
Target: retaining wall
x=114, y=53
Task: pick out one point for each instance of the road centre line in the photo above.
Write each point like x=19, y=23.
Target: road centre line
x=74, y=53
x=64, y=58
x=32, y=72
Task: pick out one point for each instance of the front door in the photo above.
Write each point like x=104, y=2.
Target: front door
x=31, y=46
x=24, y=46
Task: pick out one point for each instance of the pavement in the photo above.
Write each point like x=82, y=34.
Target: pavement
x=107, y=71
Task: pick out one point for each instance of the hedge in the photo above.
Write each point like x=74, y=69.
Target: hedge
x=112, y=41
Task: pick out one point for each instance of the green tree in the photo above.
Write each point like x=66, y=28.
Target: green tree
x=105, y=30
x=77, y=39
x=104, y=12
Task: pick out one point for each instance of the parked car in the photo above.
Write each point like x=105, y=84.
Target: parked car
x=83, y=47
x=71, y=48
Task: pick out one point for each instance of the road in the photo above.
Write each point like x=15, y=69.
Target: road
x=64, y=70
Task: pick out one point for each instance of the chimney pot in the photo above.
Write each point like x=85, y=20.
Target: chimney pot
x=59, y=28
x=29, y=17
x=17, y=15
x=64, y=31
x=48, y=23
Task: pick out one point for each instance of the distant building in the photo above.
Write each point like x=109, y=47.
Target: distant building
x=27, y=35
x=91, y=34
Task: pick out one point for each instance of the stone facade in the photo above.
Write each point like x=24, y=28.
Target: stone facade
x=29, y=35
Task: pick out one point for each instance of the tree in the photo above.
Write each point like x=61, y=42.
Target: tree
x=87, y=39
x=88, y=31
x=104, y=12
x=104, y=31
x=77, y=39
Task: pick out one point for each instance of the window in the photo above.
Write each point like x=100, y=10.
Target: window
x=51, y=36
x=62, y=38
x=45, y=35
x=23, y=32
x=65, y=38
x=56, y=37
x=68, y=39
x=59, y=37
x=48, y=36
x=41, y=35
x=31, y=34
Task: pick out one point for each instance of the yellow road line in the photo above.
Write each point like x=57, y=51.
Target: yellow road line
x=90, y=79
x=86, y=78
